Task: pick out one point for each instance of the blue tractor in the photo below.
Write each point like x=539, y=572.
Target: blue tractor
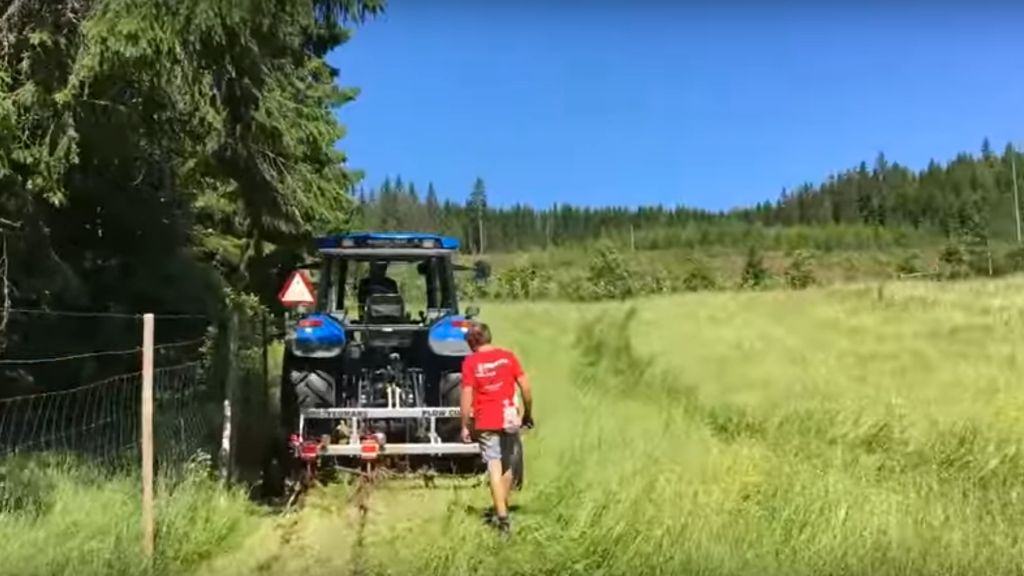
x=372, y=373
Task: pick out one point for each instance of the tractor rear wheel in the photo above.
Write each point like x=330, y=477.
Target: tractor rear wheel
x=451, y=389
x=313, y=388
x=451, y=396
x=305, y=384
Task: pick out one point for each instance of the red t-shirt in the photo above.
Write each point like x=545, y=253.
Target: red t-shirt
x=492, y=375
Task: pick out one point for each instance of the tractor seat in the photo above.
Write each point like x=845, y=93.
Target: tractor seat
x=384, y=309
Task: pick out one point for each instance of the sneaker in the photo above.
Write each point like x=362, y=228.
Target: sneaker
x=504, y=527
x=491, y=515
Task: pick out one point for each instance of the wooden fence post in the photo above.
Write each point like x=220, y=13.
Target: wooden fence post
x=148, y=524
x=227, y=441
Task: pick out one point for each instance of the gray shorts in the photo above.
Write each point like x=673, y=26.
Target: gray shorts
x=503, y=446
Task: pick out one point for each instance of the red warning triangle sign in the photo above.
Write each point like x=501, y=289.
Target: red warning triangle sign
x=297, y=291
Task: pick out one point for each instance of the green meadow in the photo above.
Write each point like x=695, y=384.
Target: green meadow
x=860, y=429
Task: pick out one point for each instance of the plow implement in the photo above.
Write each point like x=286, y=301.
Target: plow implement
x=364, y=454
x=362, y=441
x=356, y=441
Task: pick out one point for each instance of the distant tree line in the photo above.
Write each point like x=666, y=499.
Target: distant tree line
x=398, y=205
x=968, y=199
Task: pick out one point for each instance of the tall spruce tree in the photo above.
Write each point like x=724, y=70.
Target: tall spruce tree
x=477, y=205
x=432, y=209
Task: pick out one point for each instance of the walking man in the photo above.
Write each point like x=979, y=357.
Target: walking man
x=489, y=379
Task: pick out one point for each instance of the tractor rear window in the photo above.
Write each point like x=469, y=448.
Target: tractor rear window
x=419, y=282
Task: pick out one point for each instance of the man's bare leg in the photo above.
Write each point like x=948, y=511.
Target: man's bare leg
x=499, y=488
x=506, y=480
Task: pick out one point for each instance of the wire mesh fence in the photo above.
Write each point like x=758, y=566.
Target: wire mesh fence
x=98, y=425
x=99, y=420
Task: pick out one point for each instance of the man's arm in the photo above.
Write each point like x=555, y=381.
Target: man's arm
x=524, y=385
x=466, y=405
x=466, y=401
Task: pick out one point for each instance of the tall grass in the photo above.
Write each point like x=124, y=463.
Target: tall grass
x=76, y=519
x=642, y=465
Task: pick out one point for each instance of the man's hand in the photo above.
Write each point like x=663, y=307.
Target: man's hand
x=528, y=421
x=466, y=436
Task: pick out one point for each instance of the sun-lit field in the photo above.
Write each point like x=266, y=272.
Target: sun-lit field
x=855, y=430
x=859, y=430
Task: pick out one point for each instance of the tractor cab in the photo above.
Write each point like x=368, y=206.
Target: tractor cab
x=389, y=278
x=385, y=289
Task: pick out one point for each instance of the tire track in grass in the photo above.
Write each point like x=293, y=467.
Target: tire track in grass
x=342, y=529
x=308, y=541
x=331, y=535
x=404, y=513
x=361, y=502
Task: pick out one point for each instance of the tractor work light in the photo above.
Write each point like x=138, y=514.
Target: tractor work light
x=463, y=325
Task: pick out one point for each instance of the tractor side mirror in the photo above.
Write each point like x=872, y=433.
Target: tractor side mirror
x=472, y=311
x=481, y=270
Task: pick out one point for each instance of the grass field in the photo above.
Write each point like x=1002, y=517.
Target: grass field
x=851, y=430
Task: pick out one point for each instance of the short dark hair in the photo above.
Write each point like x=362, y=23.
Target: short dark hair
x=478, y=335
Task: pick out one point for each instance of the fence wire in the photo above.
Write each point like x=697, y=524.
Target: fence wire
x=99, y=425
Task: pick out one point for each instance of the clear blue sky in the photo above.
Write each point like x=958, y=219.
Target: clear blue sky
x=650, y=102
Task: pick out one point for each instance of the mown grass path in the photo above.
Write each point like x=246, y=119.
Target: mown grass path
x=329, y=535
x=343, y=529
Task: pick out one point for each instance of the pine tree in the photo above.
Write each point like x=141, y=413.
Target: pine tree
x=478, y=205
x=412, y=211
x=433, y=209
x=388, y=205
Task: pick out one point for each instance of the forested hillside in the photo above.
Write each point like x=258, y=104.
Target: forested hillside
x=161, y=156
x=968, y=199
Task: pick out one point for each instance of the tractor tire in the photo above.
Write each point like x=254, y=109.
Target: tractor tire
x=305, y=385
x=451, y=389
x=451, y=395
x=313, y=388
